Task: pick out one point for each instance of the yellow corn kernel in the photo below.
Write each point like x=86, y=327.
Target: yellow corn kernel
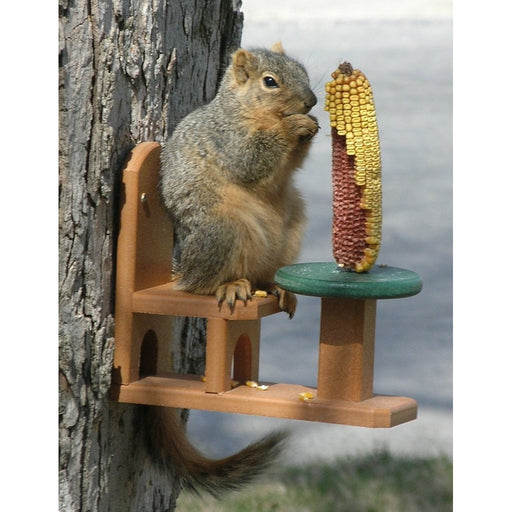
x=255, y=385
x=307, y=395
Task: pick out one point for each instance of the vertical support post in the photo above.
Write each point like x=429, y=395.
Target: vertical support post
x=222, y=337
x=246, y=356
x=347, y=347
x=218, y=356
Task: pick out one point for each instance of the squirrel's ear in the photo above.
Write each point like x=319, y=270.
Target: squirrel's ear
x=277, y=48
x=244, y=64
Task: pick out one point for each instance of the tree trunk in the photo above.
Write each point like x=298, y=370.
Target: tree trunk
x=129, y=71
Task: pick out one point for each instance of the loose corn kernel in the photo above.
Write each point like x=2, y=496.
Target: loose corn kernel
x=356, y=170
x=307, y=395
x=255, y=385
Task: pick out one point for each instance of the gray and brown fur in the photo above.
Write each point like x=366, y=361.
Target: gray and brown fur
x=227, y=181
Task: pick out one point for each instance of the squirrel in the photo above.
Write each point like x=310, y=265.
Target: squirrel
x=227, y=181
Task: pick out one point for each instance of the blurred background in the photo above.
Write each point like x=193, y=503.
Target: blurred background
x=405, y=50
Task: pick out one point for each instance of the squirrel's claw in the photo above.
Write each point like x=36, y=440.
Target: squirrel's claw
x=230, y=292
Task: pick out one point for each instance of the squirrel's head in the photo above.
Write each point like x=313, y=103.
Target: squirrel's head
x=271, y=81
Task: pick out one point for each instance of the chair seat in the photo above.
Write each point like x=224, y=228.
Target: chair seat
x=165, y=300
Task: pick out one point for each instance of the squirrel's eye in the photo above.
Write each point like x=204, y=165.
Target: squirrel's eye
x=270, y=81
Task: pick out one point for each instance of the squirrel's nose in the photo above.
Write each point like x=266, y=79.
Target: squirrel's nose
x=310, y=100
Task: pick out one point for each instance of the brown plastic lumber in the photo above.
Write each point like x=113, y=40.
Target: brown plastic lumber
x=164, y=300
x=280, y=400
x=347, y=346
x=227, y=342
x=144, y=246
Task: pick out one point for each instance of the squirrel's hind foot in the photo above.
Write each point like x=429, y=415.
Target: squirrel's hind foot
x=287, y=300
x=229, y=292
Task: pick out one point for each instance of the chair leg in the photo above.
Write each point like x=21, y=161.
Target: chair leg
x=226, y=340
x=246, y=355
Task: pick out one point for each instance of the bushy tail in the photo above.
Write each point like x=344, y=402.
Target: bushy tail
x=171, y=449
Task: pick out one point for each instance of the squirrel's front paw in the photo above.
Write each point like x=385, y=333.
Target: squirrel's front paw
x=229, y=292
x=303, y=126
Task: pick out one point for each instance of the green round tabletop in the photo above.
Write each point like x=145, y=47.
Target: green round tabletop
x=329, y=280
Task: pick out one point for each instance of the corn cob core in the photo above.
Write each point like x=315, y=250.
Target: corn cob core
x=356, y=169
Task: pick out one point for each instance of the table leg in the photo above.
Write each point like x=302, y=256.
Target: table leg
x=346, y=354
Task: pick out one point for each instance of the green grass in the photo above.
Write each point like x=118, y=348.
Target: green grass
x=378, y=482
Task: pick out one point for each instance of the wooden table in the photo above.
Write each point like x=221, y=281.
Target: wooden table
x=347, y=326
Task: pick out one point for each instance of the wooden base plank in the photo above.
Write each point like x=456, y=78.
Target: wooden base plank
x=279, y=400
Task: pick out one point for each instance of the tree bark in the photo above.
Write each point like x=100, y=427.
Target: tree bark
x=129, y=71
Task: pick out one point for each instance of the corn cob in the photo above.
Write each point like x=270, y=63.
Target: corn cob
x=356, y=169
